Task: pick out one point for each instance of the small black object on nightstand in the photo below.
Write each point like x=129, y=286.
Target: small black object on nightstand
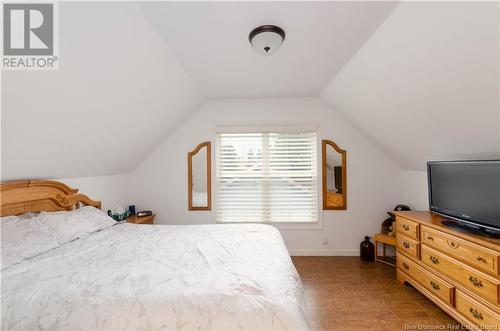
x=131, y=209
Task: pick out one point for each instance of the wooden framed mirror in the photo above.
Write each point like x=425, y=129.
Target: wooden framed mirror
x=199, y=177
x=334, y=167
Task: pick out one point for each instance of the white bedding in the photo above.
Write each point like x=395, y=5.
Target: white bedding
x=158, y=277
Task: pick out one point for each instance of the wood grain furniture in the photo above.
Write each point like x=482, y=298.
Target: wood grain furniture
x=456, y=270
x=141, y=220
x=20, y=197
x=207, y=204
x=334, y=200
x=384, y=239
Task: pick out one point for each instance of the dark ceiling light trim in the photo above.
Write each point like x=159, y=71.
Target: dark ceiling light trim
x=266, y=28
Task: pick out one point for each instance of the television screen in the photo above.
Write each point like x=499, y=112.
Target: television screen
x=467, y=190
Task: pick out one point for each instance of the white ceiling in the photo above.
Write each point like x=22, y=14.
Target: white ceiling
x=118, y=93
x=421, y=81
x=210, y=39
x=426, y=86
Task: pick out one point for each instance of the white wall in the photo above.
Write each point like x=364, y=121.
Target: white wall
x=415, y=190
x=426, y=85
x=112, y=191
x=118, y=93
x=375, y=183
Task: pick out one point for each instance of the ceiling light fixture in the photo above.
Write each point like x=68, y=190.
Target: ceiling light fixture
x=267, y=39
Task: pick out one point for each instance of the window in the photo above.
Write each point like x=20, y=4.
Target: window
x=267, y=177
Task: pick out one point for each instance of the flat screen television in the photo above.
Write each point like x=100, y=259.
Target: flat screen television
x=467, y=192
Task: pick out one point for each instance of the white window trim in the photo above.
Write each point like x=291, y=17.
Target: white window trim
x=308, y=225
x=260, y=129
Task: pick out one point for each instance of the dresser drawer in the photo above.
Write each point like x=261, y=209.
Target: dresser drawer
x=431, y=282
x=407, y=245
x=485, y=286
x=478, y=257
x=475, y=312
x=407, y=227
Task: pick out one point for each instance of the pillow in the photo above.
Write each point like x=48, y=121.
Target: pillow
x=24, y=237
x=27, y=215
x=74, y=224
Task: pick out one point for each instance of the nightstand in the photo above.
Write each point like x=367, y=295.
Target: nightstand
x=141, y=220
x=385, y=240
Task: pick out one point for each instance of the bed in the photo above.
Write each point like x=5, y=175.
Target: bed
x=149, y=277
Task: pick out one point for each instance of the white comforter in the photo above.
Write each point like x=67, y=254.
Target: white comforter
x=161, y=277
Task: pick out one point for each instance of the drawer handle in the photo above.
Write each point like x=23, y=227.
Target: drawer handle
x=406, y=266
x=406, y=227
x=434, y=285
x=481, y=259
x=405, y=244
x=430, y=238
x=452, y=244
x=476, y=314
x=434, y=259
x=476, y=282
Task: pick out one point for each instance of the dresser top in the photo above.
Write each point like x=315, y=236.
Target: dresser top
x=436, y=222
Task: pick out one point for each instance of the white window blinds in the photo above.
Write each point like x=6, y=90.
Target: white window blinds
x=267, y=177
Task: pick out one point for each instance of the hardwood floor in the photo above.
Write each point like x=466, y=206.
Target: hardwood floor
x=345, y=293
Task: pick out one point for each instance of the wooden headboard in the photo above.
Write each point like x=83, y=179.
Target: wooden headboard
x=25, y=196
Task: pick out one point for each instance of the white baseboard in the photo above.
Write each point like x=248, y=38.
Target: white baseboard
x=324, y=252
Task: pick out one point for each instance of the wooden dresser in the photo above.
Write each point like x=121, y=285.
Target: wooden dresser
x=458, y=271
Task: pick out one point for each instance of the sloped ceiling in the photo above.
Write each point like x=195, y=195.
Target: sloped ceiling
x=118, y=93
x=421, y=81
x=426, y=85
x=210, y=39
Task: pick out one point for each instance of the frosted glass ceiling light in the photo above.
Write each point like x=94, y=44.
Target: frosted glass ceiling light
x=267, y=39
